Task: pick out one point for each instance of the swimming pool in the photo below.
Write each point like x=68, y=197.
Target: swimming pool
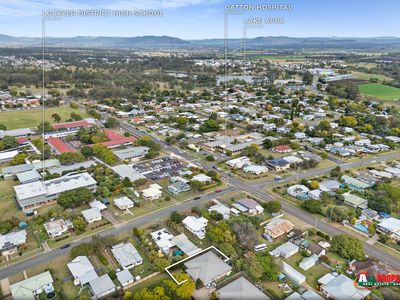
x=362, y=228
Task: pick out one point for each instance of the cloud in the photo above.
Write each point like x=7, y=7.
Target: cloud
x=26, y=8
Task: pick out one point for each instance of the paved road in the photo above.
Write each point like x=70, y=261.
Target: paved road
x=128, y=226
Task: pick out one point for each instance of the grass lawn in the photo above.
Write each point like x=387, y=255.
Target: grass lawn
x=312, y=274
x=381, y=91
x=368, y=76
x=32, y=117
x=8, y=205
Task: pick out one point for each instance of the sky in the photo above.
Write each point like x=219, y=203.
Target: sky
x=199, y=19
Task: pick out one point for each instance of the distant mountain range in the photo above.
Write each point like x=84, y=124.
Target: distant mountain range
x=140, y=42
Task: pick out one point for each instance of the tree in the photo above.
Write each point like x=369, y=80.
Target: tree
x=210, y=158
x=75, y=116
x=348, y=121
x=9, y=142
x=348, y=247
x=74, y=198
x=45, y=126
x=312, y=206
x=314, y=185
x=56, y=117
x=209, y=126
x=79, y=224
x=3, y=127
x=270, y=271
x=254, y=269
x=111, y=123
x=87, y=151
x=182, y=291
x=272, y=206
x=158, y=293
x=176, y=217
x=336, y=172
x=220, y=233
x=246, y=234
x=69, y=158
x=18, y=159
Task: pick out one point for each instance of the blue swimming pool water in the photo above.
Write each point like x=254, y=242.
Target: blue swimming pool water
x=362, y=228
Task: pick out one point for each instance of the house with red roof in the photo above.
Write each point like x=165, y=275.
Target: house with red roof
x=59, y=146
x=282, y=149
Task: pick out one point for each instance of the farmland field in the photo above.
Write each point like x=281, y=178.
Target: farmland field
x=32, y=117
x=380, y=91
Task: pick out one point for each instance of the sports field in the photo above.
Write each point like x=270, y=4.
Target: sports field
x=380, y=91
x=33, y=117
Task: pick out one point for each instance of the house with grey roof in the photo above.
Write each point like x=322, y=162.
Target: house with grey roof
x=355, y=201
x=183, y=243
x=126, y=255
x=10, y=242
x=208, y=267
x=132, y=153
x=123, y=203
x=125, y=277
x=285, y=250
x=241, y=289
x=342, y=287
x=82, y=270
x=91, y=215
x=101, y=287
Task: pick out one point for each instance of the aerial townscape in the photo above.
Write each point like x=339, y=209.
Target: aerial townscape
x=156, y=167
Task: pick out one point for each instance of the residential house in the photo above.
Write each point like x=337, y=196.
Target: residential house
x=163, y=239
x=100, y=206
x=126, y=255
x=10, y=242
x=307, y=295
x=282, y=149
x=249, y=206
x=277, y=227
x=255, y=169
x=125, y=277
x=355, y=201
x=329, y=185
x=178, y=187
x=298, y=191
x=185, y=245
x=241, y=289
x=390, y=226
x=202, y=178
x=316, y=249
x=123, y=203
x=196, y=225
x=101, y=287
x=355, y=184
x=239, y=162
x=285, y=250
x=342, y=287
x=31, y=288
x=82, y=270
x=278, y=164
x=153, y=192
x=208, y=267
x=57, y=228
x=91, y=215
x=220, y=208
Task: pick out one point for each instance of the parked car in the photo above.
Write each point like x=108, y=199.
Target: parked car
x=65, y=246
x=197, y=198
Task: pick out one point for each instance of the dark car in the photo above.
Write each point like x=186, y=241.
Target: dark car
x=65, y=246
x=197, y=198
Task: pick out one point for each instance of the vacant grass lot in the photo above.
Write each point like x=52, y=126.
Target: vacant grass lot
x=8, y=206
x=32, y=117
x=380, y=91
